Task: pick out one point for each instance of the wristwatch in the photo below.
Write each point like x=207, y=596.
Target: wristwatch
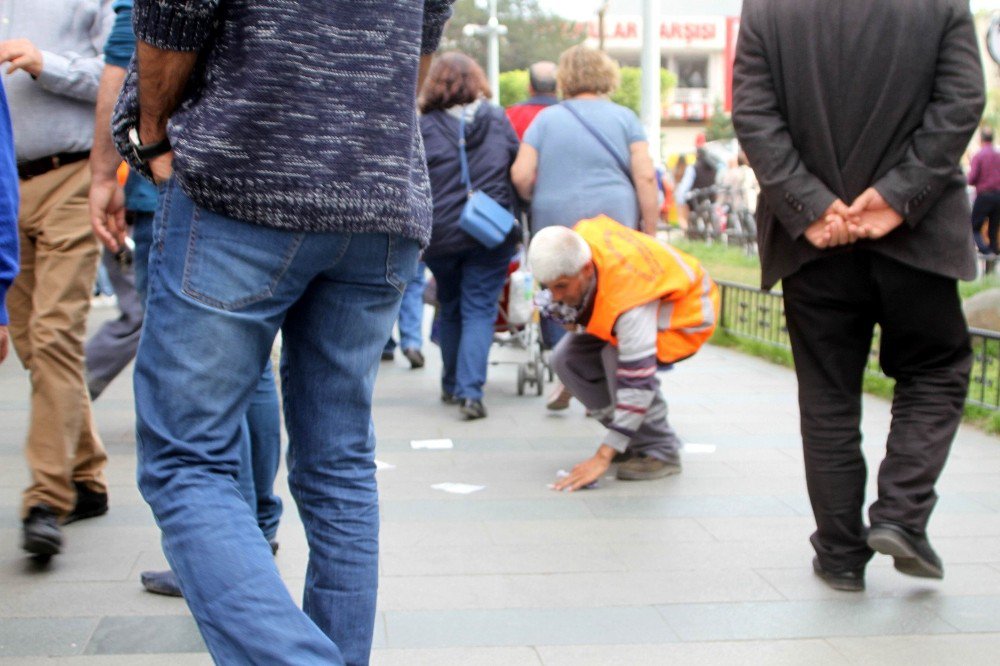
x=144, y=153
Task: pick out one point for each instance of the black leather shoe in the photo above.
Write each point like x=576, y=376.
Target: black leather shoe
x=415, y=358
x=472, y=410
x=388, y=355
x=912, y=553
x=845, y=581
x=41, y=531
x=89, y=504
x=450, y=398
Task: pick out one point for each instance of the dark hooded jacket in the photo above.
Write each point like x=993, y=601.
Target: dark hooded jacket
x=491, y=145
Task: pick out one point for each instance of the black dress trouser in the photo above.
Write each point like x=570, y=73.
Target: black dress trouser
x=832, y=306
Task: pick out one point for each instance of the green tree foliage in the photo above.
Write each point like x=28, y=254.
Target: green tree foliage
x=629, y=92
x=513, y=87
x=720, y=125
x=533, y=34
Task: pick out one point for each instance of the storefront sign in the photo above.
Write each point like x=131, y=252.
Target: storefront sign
x=625, y=32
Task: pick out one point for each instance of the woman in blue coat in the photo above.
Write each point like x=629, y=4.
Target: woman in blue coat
x=469, y=276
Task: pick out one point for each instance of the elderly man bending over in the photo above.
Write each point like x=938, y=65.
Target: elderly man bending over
x=633, y=304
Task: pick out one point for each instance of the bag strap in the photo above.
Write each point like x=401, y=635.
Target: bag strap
x=463, y=158
x=600, y=138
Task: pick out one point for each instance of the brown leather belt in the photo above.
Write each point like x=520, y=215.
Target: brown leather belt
x=41, y=166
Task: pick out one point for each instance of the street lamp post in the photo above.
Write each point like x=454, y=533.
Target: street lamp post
x=651, y=107
x=493, y=31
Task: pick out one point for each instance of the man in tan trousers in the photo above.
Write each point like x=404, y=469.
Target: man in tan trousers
x=53, y=50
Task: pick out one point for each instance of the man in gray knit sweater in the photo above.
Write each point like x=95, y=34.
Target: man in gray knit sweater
x=294, y=195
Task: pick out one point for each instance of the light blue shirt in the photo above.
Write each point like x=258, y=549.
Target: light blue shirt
x=577, y=177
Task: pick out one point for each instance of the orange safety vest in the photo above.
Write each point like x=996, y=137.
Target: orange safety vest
x=633, y=269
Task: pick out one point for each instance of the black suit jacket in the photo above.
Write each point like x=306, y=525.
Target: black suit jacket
x=834, y=96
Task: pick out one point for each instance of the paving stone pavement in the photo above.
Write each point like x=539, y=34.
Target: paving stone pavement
x=709, y=567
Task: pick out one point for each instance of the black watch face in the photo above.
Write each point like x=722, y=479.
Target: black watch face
x=993, y=39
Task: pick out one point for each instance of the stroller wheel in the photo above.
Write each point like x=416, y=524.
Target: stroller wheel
x=539, y=377
x=522, y=379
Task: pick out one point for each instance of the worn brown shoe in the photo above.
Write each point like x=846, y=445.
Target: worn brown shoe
x=559, y=398
x=643, y=468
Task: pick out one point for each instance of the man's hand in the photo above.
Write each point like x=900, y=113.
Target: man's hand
x=837, y=226
x=3, y=343
x=162, y=167
x=876, y=217
x=588, y=471
x=21, y=54
x=107, y=212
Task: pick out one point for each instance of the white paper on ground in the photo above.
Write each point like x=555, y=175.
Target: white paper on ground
x=384, y=465
x=458, y=488
x=699, y=448
x=432, y=444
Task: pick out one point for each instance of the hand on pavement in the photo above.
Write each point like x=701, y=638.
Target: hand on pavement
x=587, y=472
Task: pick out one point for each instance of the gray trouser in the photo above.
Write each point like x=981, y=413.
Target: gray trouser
x=113, y=346
x=586, y=365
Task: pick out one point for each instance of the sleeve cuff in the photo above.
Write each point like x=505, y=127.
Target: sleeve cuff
x=55, y=70
x=174, y=26
x=616, y=440
x=435, y=18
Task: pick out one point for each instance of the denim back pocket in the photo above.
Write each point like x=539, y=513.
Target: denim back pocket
x=232, y=264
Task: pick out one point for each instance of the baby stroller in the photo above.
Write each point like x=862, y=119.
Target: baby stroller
x=516, y=333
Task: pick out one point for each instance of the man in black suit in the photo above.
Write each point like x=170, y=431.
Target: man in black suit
x=854, y=115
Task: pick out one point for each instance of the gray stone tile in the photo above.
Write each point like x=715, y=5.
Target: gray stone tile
x=803, y=619
x=691, y=507
x=28, y=599
x=769, y=653
x=516, y=656
x=971, y=614
x=189, y=659
x=578, y=590
x=707, y=556
x=146, y=635
x=21, y=637
x=595, y=530
x=511, y=627
x=882, y=580
x=540, y=558
x=968, y=650
x=472, y=510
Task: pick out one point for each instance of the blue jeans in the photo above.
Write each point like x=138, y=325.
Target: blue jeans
x=219, y=289
x=411, y=313
x=468, y=288
x=262, y=428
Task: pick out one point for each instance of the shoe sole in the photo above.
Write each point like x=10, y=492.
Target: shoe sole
x=84, y=515
x=906, y=560
x=44, y=547
x=557, y=406
x=625, y=475
x=839, y=584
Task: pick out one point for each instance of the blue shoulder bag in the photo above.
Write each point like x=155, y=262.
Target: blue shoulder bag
x=482, y=217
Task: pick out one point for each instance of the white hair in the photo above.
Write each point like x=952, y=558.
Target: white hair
x=557, y=252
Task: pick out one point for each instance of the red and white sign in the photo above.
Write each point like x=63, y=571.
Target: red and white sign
x=689, y=33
